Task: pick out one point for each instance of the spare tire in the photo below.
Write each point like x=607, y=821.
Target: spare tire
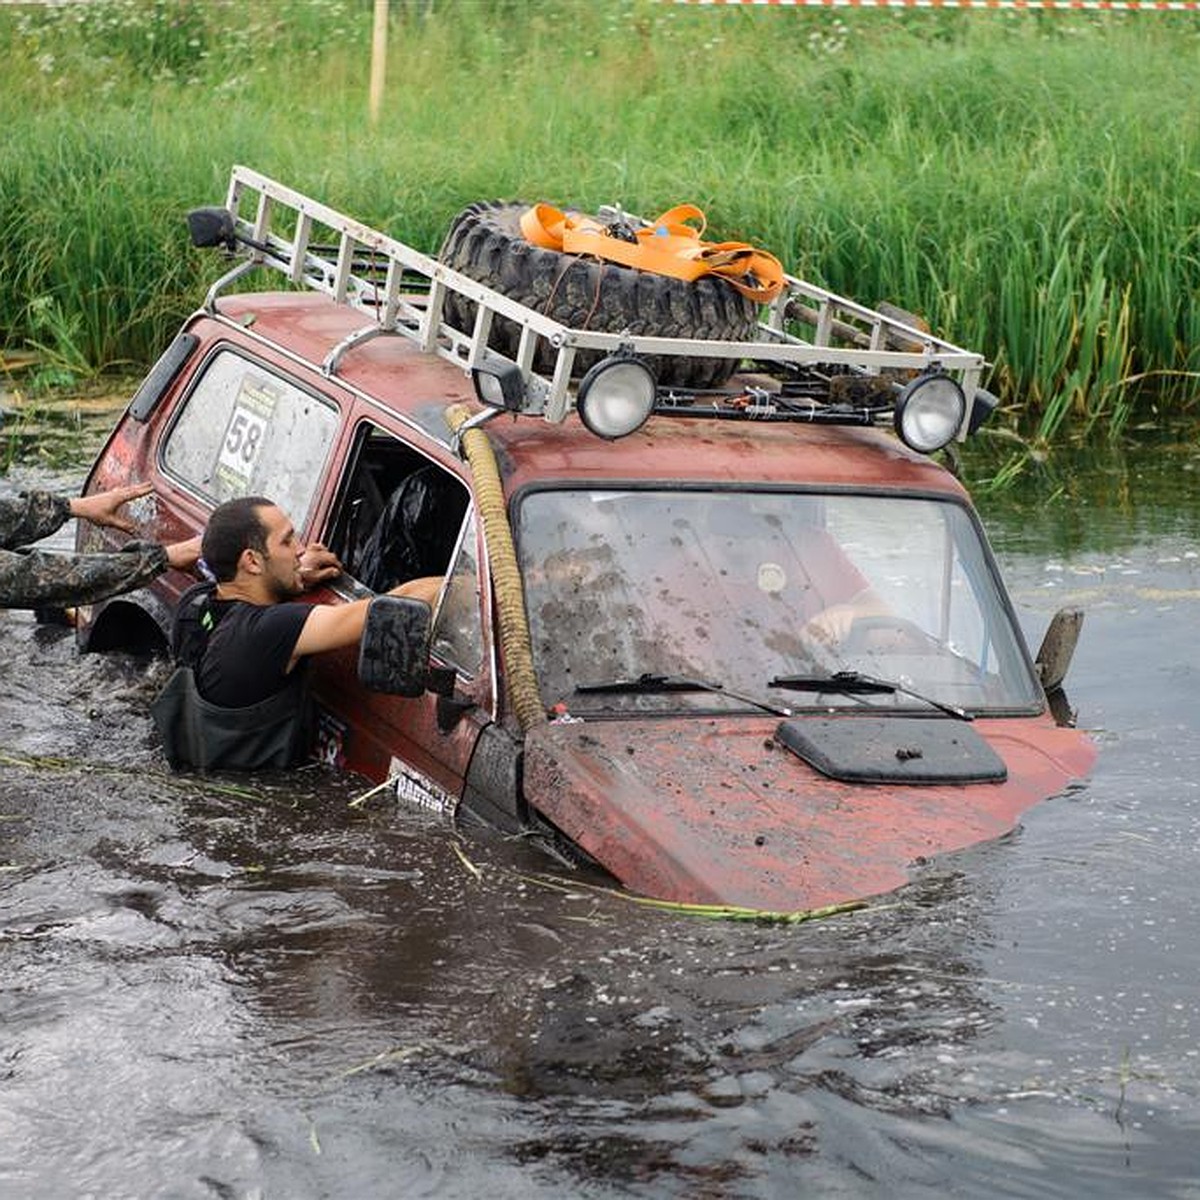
x=485, y=242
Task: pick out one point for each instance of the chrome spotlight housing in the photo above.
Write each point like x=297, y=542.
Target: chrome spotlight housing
x=930, y=411
x=616, y=397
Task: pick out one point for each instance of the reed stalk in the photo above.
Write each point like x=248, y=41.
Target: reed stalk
x=987, y=170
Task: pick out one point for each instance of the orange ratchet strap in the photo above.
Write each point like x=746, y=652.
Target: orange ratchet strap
x=668, y=246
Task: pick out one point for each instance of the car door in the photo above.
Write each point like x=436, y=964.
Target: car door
x=424, y=743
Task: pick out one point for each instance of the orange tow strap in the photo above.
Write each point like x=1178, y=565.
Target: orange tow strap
x=668, y=246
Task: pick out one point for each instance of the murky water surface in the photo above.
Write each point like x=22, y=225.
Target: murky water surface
x=252, y=988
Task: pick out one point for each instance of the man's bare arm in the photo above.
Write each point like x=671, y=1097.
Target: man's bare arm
x=183, y=556
x=332, y=626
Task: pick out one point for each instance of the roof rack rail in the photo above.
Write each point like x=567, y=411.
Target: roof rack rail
x=402, y=291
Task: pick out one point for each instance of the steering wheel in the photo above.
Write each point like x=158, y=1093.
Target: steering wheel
x=888, y=634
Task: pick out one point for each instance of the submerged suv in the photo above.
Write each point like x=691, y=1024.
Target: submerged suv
x=734, y=642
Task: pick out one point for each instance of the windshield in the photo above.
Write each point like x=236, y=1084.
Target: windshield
x=743, y=589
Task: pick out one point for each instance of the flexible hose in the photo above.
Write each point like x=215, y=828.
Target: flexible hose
x=515, y=643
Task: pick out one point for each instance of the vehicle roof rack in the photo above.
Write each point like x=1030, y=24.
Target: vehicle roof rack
x=402, y=291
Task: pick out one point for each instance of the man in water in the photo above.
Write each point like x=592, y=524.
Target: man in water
x=238, y=699
x=36, y=578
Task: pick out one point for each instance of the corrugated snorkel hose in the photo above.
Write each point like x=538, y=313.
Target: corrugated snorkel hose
x=506, y=577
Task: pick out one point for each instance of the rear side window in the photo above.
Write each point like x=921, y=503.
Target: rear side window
x=245, y=431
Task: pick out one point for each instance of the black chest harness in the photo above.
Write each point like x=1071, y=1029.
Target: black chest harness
x=210, y=737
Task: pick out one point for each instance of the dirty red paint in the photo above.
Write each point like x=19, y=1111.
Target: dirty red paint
x=715, y=811
x=687, y=809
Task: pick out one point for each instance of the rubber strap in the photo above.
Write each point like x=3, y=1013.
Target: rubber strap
x=668, y=246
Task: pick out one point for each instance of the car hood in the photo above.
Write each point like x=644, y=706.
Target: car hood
x=720, y=811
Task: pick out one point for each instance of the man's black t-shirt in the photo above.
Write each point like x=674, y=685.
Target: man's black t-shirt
x=248, y=652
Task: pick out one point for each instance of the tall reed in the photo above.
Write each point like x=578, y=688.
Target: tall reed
x=1026, y=183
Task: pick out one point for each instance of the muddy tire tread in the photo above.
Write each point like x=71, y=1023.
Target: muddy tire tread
x=485, y=243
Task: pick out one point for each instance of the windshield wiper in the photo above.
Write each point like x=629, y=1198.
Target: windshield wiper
x=853, y=683
x=648, y=684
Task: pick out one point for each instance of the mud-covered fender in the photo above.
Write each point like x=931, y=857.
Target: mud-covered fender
x=492, y=790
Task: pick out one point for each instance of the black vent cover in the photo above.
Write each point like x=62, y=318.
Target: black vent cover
x=893, y=749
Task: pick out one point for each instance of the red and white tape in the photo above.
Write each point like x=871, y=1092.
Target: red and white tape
x=1190, y=6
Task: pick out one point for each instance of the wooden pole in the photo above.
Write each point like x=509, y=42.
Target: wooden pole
x=378, y=58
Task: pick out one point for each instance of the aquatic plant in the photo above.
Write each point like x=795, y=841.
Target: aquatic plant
x=978, y=168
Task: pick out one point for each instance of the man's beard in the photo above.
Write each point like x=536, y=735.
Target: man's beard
x=281, y=590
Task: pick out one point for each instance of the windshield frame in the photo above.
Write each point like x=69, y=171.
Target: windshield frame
x=712, y=703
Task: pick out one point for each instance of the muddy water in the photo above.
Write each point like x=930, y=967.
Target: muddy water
x=253, y=988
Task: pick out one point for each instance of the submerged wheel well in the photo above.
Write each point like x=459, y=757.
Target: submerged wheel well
x=126, y=626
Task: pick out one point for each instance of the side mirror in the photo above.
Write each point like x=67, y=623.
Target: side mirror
x=1058, y=646
x=211, y=227
x=393, y=655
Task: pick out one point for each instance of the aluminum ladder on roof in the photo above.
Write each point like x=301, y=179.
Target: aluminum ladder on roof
x=409, y=301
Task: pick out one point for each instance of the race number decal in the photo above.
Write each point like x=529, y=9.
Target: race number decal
x=245, y=434
x=414, y=789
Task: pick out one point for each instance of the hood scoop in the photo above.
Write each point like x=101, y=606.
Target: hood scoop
x=893, y=749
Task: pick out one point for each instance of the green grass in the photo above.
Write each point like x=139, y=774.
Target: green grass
x=1028, y=182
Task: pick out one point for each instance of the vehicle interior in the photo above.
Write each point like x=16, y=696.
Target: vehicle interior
x=398, y=515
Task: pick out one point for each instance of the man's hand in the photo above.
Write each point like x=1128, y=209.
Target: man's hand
x=183, y=556
x=318, y=565
x=425, y=588
x=101, y=508
x=830, y=627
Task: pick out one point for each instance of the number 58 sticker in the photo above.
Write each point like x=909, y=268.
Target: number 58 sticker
x=245, y=433
x=242, y=443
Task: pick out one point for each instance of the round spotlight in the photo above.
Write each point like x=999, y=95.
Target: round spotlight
x=930, y=412
x=616, y=396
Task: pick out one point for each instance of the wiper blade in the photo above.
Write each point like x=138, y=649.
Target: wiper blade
x=648, y=684
x=853, y=683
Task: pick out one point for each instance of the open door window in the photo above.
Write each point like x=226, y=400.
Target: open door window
x=398, y=516
x=458, y=631
x=426, y=685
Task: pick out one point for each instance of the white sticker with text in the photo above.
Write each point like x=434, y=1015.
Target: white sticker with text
x=246, y=433
x=414, y=789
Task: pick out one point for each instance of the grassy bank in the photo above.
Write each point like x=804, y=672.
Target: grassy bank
x=1027, y=182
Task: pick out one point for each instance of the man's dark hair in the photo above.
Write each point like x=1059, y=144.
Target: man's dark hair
x=234, y=526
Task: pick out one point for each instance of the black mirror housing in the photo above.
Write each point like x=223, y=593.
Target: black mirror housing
x=212, y=227
x=393, y=655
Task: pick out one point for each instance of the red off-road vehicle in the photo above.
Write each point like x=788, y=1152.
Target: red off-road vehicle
x=712, y=617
